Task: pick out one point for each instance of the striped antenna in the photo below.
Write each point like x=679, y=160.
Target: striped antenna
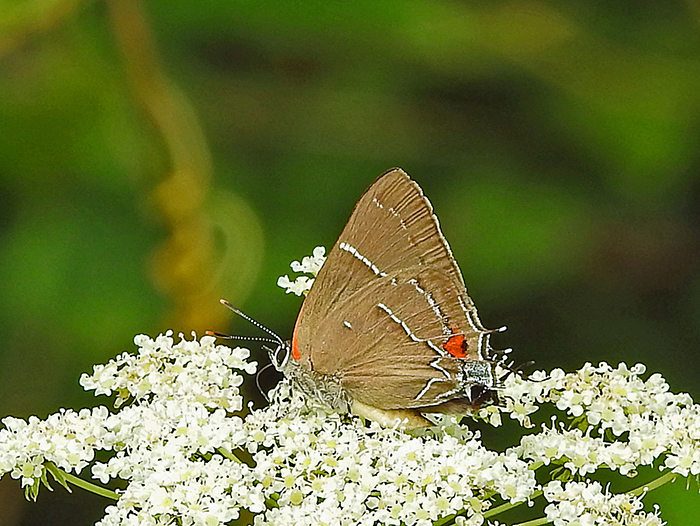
x=260, y=326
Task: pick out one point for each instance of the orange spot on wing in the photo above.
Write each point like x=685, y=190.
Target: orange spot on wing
x=456, y=346
x=296, y=353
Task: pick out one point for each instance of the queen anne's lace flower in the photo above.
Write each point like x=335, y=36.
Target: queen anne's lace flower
x=623, y=421
x=188, y=455
x=309, y=265
x=199, y=371
x=68, y=439
x=178, y=445
x=322, y=465
x=582, y=503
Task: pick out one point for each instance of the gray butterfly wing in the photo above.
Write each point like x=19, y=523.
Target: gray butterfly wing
x=389, y=317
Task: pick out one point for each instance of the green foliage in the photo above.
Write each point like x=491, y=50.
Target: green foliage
x=557, y=140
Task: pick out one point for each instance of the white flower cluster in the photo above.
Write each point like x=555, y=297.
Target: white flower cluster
x=620, y=421
x=192, y=370
x=579, y=503
x=67, y=438
x=187, y=459
x=170, y=478
x=172, y=444
x=329, y=469
x=309, y=265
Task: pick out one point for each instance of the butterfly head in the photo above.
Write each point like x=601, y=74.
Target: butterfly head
x=280, y=355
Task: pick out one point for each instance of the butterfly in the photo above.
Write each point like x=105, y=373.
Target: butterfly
x=388, y=331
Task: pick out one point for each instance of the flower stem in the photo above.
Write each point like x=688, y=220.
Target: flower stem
x=535, y=522
x=656, y=483
x=508, y=506
x=228, y=454
x=61, y=475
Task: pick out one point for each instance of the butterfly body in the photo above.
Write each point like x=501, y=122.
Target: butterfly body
x=387, y=330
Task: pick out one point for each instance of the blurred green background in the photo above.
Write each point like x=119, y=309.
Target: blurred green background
x=155, y=156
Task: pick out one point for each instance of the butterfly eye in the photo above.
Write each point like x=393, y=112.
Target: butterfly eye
x=279, y=355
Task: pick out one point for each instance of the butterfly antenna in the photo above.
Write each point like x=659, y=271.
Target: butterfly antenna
x=233, y=337
x=260, y=326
